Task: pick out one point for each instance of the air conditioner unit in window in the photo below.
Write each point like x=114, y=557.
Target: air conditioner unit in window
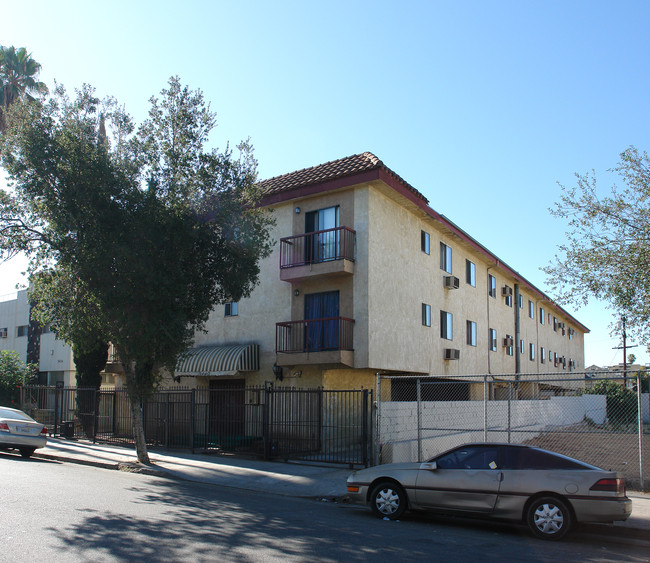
x=3, y=333
x=452, y=282
x=508, y=341
x=506, y=291
x=452, y=354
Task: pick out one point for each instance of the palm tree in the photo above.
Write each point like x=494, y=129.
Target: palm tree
x=18, y=78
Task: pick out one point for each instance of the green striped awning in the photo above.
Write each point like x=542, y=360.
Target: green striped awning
x=212, y=361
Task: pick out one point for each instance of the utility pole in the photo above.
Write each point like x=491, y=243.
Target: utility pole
x=624, y=348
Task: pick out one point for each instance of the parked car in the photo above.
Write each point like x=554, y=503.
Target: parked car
x=546, y=490
x=18, y=431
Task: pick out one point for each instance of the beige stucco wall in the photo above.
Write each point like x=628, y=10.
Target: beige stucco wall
x=392, y=279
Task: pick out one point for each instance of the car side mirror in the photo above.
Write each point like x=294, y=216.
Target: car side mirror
x=429, y=466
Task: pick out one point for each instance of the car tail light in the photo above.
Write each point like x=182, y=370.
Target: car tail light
x=44, y=431
x=609, y=485
x=4, y=427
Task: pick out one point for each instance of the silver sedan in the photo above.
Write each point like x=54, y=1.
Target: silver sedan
x=548, y=491
x=18, y=431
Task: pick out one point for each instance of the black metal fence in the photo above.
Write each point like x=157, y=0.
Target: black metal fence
x=287, y=423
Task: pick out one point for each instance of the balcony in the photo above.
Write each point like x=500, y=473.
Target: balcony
x=321, y=253
x=315, y=341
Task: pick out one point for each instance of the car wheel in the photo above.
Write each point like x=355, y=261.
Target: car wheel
x=549, y=518
x=388, y=500
x=26, y=452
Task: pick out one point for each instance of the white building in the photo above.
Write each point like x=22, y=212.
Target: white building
x=35, y=344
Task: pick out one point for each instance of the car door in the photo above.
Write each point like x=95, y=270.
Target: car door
x=467, y=479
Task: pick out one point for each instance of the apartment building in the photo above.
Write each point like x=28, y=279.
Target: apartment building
x=35, y=344
x=366, y=277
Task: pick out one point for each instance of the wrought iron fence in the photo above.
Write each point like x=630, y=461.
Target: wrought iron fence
x=599, y=418
x=314, y=424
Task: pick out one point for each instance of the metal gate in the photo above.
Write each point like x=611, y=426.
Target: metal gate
x=331, y=426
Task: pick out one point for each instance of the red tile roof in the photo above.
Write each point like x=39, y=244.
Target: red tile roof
x=333, y=170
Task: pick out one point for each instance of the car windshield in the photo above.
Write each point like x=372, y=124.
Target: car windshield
x=14, y=415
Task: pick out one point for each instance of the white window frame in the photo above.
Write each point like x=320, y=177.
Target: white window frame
x=445, y=257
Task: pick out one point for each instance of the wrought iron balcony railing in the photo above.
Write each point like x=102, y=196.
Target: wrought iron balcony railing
x=319, y=246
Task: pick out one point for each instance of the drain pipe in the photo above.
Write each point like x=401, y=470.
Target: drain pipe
x=517, y=331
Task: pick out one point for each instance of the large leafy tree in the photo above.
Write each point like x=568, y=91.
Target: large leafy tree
x=607, y=250
x=150, y=229
x=18, y=78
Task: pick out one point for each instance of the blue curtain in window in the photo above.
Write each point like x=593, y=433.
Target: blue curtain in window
x=322, y=309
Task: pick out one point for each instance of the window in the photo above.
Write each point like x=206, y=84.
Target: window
x=531, y=351
x=470, y=273
x=571, y=333
x=21, y=331
x=509, y=300
x=492, y=339
x=425, y=242
x=555, y=324
x=522, y=347
x=426, y=314
x=446, y=325
x=324, y=244
x=3, y=333
x=471, y=333
x=516, y=457
x=521, y=301
x=549, y=319
x=541, y=315
x=508, y=345
x=492, y=286
x=232, y=309
x=541, y=354
x=469, y=457
x=445, y=258
x=531, y=309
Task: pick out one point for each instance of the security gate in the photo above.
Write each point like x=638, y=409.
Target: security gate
x=331, y=426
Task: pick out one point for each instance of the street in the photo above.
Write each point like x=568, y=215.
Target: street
x=53, y=511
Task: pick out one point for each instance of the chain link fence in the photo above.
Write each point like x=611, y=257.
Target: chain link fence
x=598, y=418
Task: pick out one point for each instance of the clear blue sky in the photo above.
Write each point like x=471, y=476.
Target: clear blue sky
x=482, y=106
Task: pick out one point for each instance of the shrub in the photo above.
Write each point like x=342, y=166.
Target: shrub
x=621, y=402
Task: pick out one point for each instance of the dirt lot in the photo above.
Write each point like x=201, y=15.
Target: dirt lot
x=608, y=449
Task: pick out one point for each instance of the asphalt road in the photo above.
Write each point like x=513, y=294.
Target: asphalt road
x=52, y=511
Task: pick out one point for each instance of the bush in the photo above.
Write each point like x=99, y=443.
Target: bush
x=13, y=373
x=621, y=402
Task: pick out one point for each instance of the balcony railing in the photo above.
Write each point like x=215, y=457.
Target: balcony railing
x=314, y=335
x=319, y=246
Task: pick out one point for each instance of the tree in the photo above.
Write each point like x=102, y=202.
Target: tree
x=18, y=78
x=13, y=374
x=607, y=249
x=151, y=230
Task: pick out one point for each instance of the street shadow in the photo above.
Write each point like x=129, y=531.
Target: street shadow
x=182, y=520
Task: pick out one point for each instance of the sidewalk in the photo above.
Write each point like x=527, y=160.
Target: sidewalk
x=291, y=479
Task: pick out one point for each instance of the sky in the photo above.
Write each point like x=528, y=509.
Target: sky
x=486, y=107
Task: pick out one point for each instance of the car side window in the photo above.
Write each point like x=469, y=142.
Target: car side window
x=482, y=457
x=529, y=458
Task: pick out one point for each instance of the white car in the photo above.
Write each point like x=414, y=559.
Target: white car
x=19, y=431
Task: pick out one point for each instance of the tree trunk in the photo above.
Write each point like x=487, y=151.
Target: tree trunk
x=135, y=403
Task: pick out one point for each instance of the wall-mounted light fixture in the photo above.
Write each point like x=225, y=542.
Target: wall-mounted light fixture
x=297, y=210
x=296, y=292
